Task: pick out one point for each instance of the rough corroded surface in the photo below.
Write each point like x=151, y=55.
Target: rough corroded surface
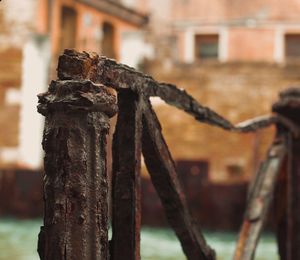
x=260, y=197
x=165, y=180
x=74, y=65
x=289, y=104
x=289, y=107
x=75, y=181
x=75, y=96
x=99, y=69
x=126, y=218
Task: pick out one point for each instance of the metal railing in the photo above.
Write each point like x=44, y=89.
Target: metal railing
x=90, y=89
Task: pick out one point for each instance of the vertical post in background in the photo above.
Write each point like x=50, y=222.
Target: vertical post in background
x=126, y=211
x=259, y=199
x=75, y=182
x=289, y=107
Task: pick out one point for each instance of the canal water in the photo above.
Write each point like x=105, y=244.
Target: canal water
x=18, y=242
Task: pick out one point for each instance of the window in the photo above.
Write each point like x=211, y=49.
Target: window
x=292, y=46
x=206, y=46
x=68, y=28
x=192, y=174
x=235, y=171
x=108, y=41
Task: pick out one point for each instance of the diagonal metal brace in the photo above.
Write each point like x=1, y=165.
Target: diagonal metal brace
x=162, y=170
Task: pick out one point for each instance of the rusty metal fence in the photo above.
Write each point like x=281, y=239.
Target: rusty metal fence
x=89, y=90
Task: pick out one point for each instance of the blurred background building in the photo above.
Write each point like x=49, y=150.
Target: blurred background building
x=226, y=30
x=231, y=55
x=33, y=34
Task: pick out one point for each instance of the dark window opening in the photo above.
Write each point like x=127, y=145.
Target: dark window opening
x=235, y=170
x=192, y=175
x=68, y=28
x=108, y=41
x=292, y=46
x=206, y=46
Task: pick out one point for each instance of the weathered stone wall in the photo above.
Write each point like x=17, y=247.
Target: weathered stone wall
x=17, y=21
x=236, y=91
x=10, y=78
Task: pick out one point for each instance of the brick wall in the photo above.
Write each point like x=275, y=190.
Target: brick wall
x=10, y=79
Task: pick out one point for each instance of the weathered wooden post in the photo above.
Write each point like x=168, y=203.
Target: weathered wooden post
x=75, y=182
x=289, y=107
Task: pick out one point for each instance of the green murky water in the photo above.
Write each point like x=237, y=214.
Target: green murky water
x=18, y=242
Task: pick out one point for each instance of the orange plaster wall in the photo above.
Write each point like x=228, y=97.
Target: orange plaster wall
x=42, y=17
x=85, y=39
x=251, y=44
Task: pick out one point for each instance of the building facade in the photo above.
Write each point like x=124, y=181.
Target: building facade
x=233, y=56
x=227, y=30
x=33, y=33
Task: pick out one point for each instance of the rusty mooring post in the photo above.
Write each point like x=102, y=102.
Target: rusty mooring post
x=126, y=213
x=75, y=182
x=289, y=107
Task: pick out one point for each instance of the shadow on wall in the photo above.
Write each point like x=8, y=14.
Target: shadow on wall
x=21, y=193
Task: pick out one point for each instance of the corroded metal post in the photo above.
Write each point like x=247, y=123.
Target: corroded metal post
x=289, y=107
x=259, y=200
x=75, y=183
x=126, y=213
